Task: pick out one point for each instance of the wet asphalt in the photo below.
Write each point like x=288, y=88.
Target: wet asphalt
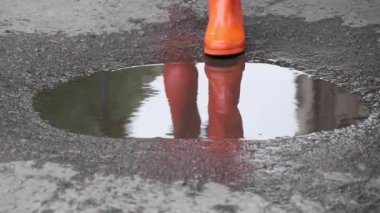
x=45, y=169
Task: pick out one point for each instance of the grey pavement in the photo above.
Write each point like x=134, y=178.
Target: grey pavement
x=44, y=169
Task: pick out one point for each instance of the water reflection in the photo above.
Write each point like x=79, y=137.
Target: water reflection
x=224, y=81
x=218, y=99
x=221, y=160
x=181, y=88
x=322, y=106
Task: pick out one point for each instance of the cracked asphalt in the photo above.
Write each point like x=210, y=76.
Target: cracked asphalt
x=44, y=169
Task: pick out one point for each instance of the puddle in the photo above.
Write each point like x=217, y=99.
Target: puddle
x=218, y=99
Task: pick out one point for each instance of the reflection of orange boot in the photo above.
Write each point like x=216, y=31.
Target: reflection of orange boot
x=224, y=91
x=181, y=87
x=225, y=30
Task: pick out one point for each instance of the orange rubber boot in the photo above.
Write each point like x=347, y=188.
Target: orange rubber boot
x=225, y=121
x=181, y=88
x=225, y=30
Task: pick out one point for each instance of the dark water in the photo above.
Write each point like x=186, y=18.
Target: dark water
x=217, y=99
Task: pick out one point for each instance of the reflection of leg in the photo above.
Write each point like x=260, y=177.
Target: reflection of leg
x=224, y=92
x=181, y=87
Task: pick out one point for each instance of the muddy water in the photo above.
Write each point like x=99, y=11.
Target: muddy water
x=218, y=99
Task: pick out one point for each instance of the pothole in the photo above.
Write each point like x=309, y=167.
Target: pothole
x=219, y=99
